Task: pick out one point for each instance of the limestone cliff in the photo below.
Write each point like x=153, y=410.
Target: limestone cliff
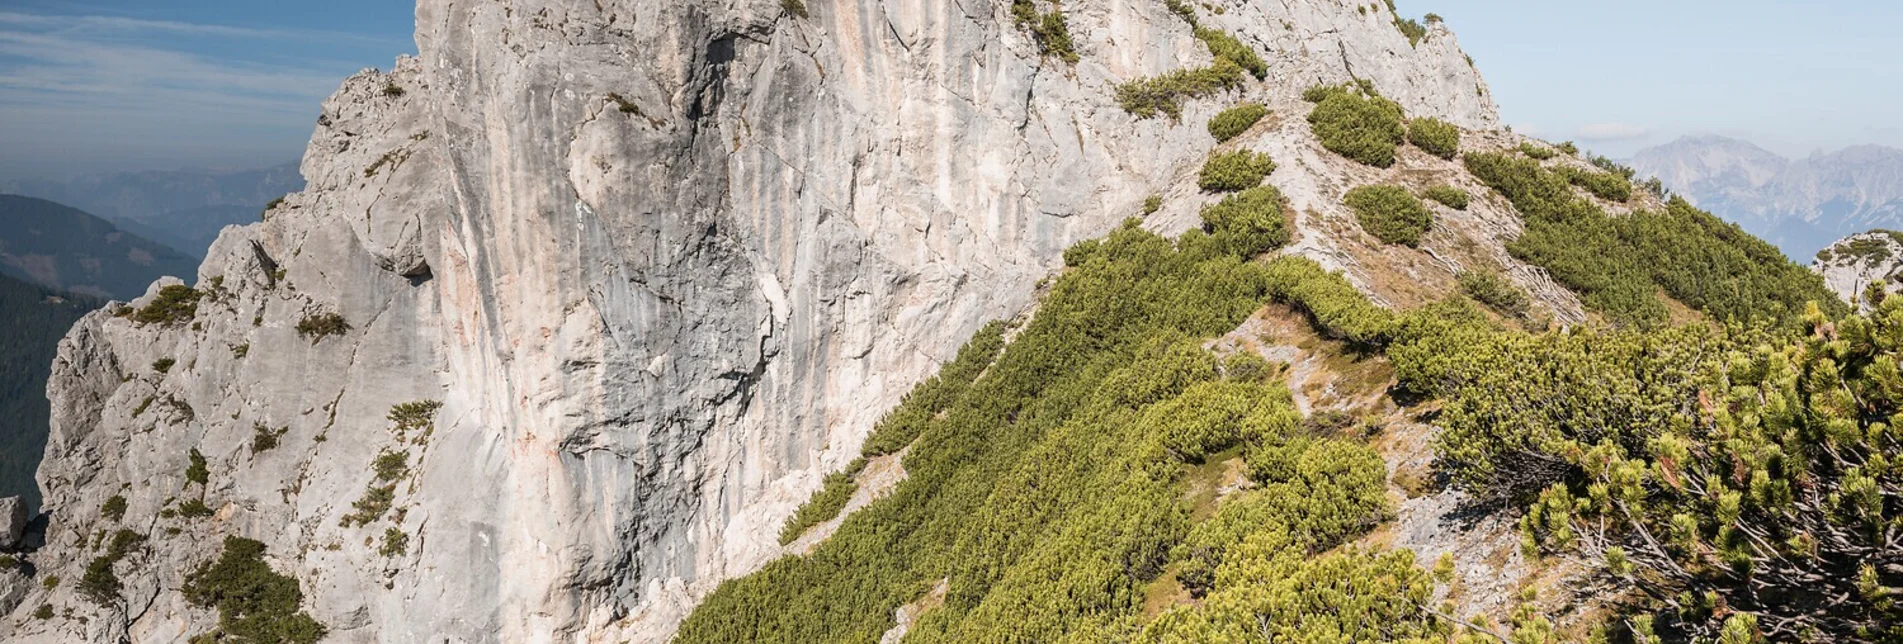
x=1854, y=263
x=662, y=264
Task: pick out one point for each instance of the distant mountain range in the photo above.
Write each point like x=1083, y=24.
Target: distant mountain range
x=1802, y=205
x=66, y=249
x=183, y=209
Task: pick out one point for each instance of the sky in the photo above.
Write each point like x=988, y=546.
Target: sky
x=93, y=86
x=90, y=86
x=1619, y=75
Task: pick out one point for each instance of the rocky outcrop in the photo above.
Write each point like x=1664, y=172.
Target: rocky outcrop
x=622, y=281
x=12, y=522
x=1854, y=263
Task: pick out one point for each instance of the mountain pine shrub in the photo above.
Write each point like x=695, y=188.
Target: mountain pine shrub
x=1434, y=136
x=1604, y=185
x=1234, y=170
x=1495, y=291
x=174, y=305
x=1147, y=97
x=1536, y=152
x=114, y=508
x=1448, y=196
x=1232, y=122
x=825, y=504
x=1050, y=30
x=1365, y=128
x=1390, y=213
x=317, y=326
x=1740, y=479
x=1619, y=264
x=1247, y=223
x=255, y=603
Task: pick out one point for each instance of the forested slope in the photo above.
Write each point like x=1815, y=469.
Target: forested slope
x=32, y=320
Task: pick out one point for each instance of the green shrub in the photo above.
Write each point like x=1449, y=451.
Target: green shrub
x=1226, y=47
x=1434, y=136
x=1151, y=204
x=1147, y=97
x=163, y=365
x=1494, y=291
x=100, y=584
x=1448, y=196
x=196, y=471
x=901, y=426
x=1235, y=170
x=8, y=562
x=1247, y=223
x=317, y=326
x=1567, y=148
x=50, y=582
x=1232, y=122
x=1614, y=167
x=1333, y=305
x=1537, y=153
x=1164, y=94
x=44, y=612
x=114, y=508
x=1619, y=264
x=194, y=509
x=825, y=504
x=375, y=501
x=1390, y=213
x=396, y=543
x=1362, y=128
x=1319, y=93
x=391, y=466
x=796, y=8
x=1049, y=30
x=1696, y=464
x=175, y=304
x=264, y=438
x=1410, y=28
x=255, y=604
x=1604, y=185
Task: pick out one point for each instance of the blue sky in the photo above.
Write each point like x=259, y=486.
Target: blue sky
x=112, y=85
x=1622, y=74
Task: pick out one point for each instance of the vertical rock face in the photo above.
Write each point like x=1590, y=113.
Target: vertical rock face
x=662, y=264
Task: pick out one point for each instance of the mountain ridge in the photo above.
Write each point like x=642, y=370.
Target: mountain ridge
x=1802, y=204
x=67, y=249
x=184, y=209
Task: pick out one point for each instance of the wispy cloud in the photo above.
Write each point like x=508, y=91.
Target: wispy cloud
x=100, y=25
x=110, y=87
x=1611, y=132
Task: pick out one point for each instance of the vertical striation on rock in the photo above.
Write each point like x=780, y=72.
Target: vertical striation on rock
x=651, y=268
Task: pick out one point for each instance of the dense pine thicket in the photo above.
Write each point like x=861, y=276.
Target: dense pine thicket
x=1049, y=490
x=1740, y=479
x=1619, y=265
x=32, y=321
